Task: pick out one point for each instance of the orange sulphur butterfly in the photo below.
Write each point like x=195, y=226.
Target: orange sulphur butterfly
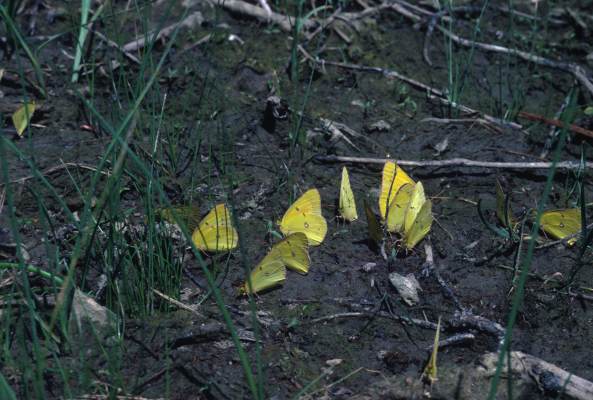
x=410, y=214
x=347, y=205
x=392, y=180
x=420, y=227
x=22, y=116
x=399, y=206
x=215, y=231
x=562, y=223
x=269, y=273
x=305, y=216
x=293, y=250
x=430, y=370
x=375, y=232
x=503, y=210
x=189, y=214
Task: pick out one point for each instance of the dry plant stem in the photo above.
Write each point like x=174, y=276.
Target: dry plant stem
x=460, y=338
x=431, y=267
x=359, y=314
x=177, y=303
x=191, y=21
x=553, y=133
x=57, y=168
x=463, y=318
x=569, y=291
x=579, y=73
x=116, y=46
x=323, y=25
x=454, y=162
x=2, y=199
x=472, y=121
x=468, y=320
x=118, y=397
x=286, y=23
x=431, y=92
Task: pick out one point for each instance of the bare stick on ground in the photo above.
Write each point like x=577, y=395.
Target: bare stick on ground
x=454, y=162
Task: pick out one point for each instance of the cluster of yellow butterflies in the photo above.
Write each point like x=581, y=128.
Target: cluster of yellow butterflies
x=402, y=203
x=403, y=206
x=303, y=225
x=559, y=223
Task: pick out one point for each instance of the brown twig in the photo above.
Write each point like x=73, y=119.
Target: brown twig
x=454, y=162
x=556, y=123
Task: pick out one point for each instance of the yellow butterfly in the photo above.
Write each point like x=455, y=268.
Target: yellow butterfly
x=503, y=211
x=293, y=250
x=430, y=370
x=305, y=216
x=22, y=116
x=347, y=205
x=270, y=272
x=393, y=178
x=190, y=215
x=375, y=232
x=216, y=231
x=398, y=208
x=410, y=214
x=562, y=223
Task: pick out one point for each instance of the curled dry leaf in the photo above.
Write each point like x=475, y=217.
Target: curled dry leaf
x=407, y=287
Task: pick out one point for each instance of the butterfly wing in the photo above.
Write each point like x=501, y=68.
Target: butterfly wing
x=269, y=273
x=417, y=200
x=503, y=211
x=392, y=179
x=294, y=252
x=375, y=233
x=22, y=116
x=190, y=215
x=421, y=226
x=347, y=204
x=562, y=223
x=216, y=232
x=398, y=207
x=305, y=216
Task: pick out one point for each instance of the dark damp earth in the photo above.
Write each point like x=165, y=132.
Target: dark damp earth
x=338, y=332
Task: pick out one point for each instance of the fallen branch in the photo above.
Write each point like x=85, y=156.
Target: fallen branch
x=454, y=162
x=550, y=378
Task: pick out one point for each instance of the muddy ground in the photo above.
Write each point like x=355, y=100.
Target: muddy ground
x=216, y=100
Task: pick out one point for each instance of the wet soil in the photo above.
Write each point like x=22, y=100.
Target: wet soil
x=215, y=102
